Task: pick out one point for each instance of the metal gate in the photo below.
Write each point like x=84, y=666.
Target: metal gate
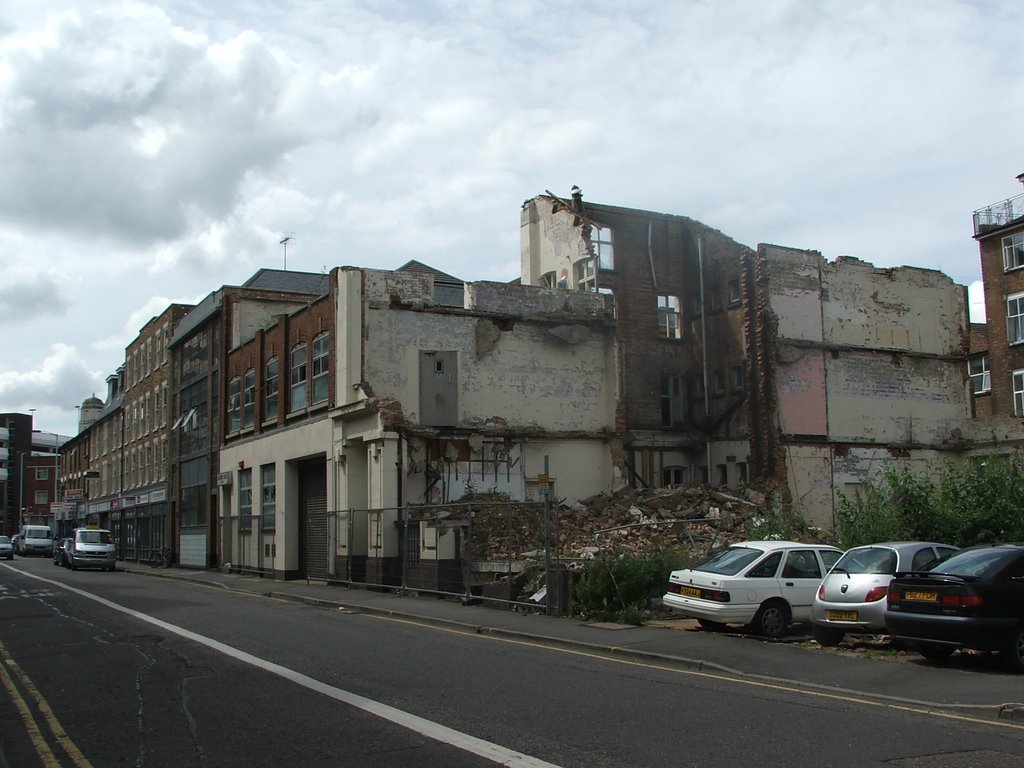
x=313, y=515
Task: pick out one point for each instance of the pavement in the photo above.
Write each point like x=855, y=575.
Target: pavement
x=970, y=684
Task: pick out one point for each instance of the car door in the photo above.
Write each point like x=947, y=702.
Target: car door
x=799, y=579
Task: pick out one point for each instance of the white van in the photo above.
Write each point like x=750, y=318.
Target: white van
x=91, y=548
x=35, y=540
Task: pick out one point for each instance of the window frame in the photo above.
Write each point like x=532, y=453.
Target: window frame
x=585, y=273
x=670, y=317
x=298, y=372
x=321, y=368
x=245, y=499
x=673, y=400
x=983, y=375
x=1015, y=322
x=268, y=497
x=249, y=398
x=1013, y=251
x=271, y=389
x=603, y=248
x=1017, y=386
x=235, y=404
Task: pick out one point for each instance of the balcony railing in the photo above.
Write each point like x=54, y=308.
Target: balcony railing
x=998, y=215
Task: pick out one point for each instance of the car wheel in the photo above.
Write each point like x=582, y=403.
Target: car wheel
x=72, y=565
x=711, y=626
x=827, y=636
x=1013, y=653
x=771, y=619
x=936, y=652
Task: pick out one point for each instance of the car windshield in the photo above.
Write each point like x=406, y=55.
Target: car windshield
x=973, y=562
x=94, y=537
x=868, y=560
x=730, y=561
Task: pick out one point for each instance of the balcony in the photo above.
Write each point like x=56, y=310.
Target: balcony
x=998, y=215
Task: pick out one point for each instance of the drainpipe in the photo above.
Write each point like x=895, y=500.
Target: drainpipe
x=704, y=353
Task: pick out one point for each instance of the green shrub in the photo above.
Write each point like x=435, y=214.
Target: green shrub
x=975, y=502
x=620, y=587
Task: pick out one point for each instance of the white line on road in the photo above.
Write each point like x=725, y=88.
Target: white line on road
x=442, y=733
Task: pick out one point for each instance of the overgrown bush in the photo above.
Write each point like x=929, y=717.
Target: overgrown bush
x=619, y=587
x=779, y=522
x=976, y=502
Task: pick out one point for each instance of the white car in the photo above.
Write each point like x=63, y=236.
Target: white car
x=765, y=585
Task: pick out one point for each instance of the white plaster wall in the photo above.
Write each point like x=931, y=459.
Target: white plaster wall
x=549, y=242
x=902, y=308
x=890, y=399
x=580, y=468
x=809, y=469
x=279, y=447
x=528, y=378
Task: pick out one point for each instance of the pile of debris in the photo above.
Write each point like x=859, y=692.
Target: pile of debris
x=628, y=521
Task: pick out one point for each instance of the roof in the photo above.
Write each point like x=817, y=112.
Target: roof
x=419, y=266
x=288, y=281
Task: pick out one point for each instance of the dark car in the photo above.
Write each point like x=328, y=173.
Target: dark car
x=973, y=599
x=60, y=551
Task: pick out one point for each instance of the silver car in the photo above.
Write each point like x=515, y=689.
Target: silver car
x=6, y=548
x=851, y=597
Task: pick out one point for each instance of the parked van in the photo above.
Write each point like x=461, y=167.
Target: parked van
x=91, y=548
x=35, y=540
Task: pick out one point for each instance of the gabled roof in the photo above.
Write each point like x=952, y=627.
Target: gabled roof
x=286, y=280
x=419, y=266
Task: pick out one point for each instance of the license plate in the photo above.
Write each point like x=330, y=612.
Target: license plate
x=921, y=597
x=841, y=615
x=690, y=592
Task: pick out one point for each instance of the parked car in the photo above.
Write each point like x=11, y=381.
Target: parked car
x=851, y=597
x=765, y=585
x=35, y=540
x=973, y=599
x=60, y=551
x=6, y=548
x=91, y=548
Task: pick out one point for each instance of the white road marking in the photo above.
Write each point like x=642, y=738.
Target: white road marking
x=442, y=733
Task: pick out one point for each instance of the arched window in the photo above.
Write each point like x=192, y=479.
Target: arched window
x=298, y=378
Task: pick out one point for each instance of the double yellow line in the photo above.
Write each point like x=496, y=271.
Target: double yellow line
x=12, y=675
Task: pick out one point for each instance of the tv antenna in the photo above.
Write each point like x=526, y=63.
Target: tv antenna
x=288, y=237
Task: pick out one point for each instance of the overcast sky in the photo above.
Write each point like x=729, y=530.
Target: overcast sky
x=154, y=151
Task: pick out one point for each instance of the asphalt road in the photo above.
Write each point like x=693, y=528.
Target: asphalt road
x=159, y=672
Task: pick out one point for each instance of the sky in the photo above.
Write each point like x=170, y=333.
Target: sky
x=152, y=152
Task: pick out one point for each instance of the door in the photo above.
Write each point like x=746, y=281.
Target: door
x=313, y=519
x=801, y=574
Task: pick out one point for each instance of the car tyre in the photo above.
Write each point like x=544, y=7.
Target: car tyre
x=771, y=619
x=72, y=566
x=711, y=626
x=1013, y=653
x=827, y=637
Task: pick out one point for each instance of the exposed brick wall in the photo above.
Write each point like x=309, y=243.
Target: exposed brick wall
x=1003, y=358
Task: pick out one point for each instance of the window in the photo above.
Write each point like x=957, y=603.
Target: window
x=673, y=475
x=412, y=544
x=1015, y=318
x=718, y=383
x=981, y=379
x=245, y=499
x=737, y=378
x=1018, y=393
x=270, y=386
x=549, y=280
x=601, y=241
x=734, y=292
x=320, y=363
x=801, y=564
x=298, y=379
x=249, y=399
x=586, y=277
x=671, y=400
x=42, y=496
x=42, y=473
x=1013, y=251
x=234, y=404
x=669, y=326
x=268, y=496
x=766, y=568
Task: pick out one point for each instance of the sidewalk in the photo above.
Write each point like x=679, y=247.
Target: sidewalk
x=975, y=685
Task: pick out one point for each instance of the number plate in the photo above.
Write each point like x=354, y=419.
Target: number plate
x=921, y=597
x=690, y=592
x=841, y=615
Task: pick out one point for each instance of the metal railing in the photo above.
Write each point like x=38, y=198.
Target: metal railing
x=998, y=214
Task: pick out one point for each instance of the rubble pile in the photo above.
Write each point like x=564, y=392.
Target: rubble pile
x=628, y=521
